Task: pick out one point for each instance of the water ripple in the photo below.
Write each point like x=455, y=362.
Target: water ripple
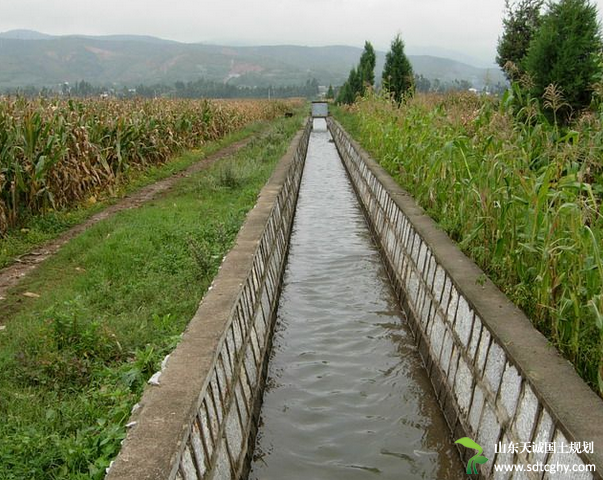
x=347, y=396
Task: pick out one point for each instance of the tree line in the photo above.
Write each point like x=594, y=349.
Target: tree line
x=554, y=57
x=200, y=88
x=397, y=79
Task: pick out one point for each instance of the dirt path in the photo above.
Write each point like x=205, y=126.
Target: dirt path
x=25, y=264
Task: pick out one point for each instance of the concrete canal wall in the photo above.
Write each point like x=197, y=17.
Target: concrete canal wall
x=195, y=422
x=497, y=379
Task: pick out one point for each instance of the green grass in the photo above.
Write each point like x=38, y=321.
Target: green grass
x=520, y=196
x=38, y=229
x=112, y=303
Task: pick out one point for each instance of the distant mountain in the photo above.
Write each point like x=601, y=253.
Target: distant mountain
x=450, y=70
x=434, y=51
x=34, y=35
x=25, y=35
x=33, y=58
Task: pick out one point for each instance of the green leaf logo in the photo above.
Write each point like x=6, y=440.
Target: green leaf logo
x=475, y=460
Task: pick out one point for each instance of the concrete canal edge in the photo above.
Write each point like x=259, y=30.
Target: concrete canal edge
x=198, y=419
x=496, y=377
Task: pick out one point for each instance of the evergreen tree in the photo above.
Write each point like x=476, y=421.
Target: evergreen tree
x=359, y=76
x=349, y=90
x=397, y=73
x=330, y=93
x=521, y=23
x=366, y=68
x=343, y=94
x=565, y=53
x=355, y=81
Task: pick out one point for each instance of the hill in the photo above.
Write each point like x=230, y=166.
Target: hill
x=33, y=58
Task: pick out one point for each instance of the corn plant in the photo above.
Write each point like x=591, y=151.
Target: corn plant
x=522, y=198
x=54, y=153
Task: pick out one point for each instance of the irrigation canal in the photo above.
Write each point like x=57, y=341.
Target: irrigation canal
x=346, y=394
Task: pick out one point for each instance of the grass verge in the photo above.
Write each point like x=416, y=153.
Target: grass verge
x=110, y=305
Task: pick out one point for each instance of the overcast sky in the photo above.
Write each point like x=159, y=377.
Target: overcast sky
x=468, y=26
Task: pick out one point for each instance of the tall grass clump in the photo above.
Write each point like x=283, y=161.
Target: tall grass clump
x=54, y=153
x=522, y=198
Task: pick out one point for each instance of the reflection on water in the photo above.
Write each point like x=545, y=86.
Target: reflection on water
x=346, y=395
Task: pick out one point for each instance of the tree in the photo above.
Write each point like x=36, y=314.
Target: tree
x=436, y=85
x=311, y=89
x=359, y=77
x=84, y=89
x=351, y=88
x=422, y=84
x=355, y=81
x=343, y=96
x=366, y=69
x=330, y=93
x=565, y=54
x=522, y=21
x=397, y=73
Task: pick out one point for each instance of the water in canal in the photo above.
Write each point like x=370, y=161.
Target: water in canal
x=346, y=396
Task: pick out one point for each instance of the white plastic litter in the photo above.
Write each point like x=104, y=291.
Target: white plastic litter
x=164, y=362
x=154, y=380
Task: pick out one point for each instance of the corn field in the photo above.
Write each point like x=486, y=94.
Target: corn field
x=54, y=153
x=522, y=198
